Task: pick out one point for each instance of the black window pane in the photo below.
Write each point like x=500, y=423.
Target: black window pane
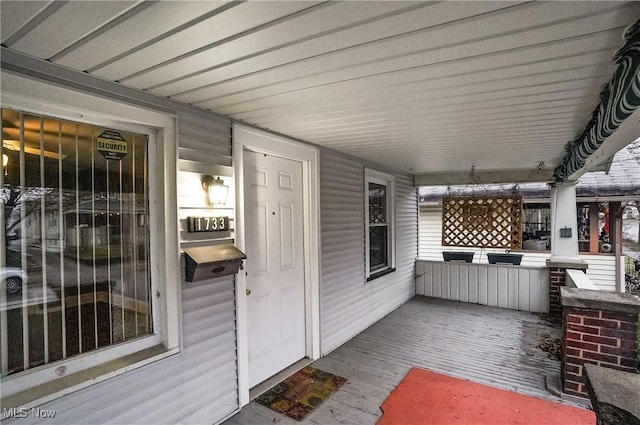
x=377, y=203
x=378, y=248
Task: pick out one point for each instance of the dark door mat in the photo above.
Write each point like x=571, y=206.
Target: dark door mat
x=301, y=393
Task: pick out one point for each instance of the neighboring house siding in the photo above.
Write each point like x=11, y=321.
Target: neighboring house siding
x=199, y=385
x=601, y=267
x=348, y=303
x=602, y=270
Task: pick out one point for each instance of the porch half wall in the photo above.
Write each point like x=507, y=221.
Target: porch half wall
x=505, y=286
x=602, y=268
x=348, y=303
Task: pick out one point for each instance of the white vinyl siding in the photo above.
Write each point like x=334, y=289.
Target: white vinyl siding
x=348, y=304
x=601, y=269
x=195, y=387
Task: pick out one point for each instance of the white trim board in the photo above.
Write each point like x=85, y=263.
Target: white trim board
x=248, y=138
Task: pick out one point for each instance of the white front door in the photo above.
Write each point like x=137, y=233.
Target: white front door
x=274, y=265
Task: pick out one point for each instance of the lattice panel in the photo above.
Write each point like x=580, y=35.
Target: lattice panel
x=482, y=221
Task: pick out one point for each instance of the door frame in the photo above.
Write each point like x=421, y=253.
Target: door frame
x=253, y=139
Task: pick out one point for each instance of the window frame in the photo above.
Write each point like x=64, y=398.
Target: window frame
x=387, y=180
x=41, y=384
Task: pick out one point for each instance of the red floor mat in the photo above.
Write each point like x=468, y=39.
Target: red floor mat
x=425, y=397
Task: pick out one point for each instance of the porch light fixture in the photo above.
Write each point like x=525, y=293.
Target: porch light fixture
x=5, y=162
x=216, y=189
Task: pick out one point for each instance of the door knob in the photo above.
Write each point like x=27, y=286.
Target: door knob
x=248, y=291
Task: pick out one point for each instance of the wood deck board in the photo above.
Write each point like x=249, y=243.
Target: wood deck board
x=488, y=345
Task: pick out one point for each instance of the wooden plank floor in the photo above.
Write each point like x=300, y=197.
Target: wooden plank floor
x=487, y=345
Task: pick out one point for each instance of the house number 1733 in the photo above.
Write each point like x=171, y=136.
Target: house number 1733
x=207, y=224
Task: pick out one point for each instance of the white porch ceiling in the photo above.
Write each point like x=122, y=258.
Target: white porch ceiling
x=423, y=87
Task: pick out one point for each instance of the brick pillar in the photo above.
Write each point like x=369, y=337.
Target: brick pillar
x=557, y=272
x=598, y=328
x=556, y=281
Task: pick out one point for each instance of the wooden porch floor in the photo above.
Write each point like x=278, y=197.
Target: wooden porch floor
x=487, y=345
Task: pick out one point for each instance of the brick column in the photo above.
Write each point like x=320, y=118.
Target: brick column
x=557, y=272
x=598, y=328
x=556, y=281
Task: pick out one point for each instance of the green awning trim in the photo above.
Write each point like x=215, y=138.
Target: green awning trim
x=618, y=99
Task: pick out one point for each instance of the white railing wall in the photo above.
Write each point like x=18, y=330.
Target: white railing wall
x=515, y=287
x=601, y=271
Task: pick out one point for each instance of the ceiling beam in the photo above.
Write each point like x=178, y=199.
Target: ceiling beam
x=484, y=177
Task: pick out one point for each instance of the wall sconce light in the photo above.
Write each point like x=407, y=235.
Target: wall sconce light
x=5, y=162
x=216, y=189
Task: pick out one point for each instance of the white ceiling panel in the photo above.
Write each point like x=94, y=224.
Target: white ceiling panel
x=337, y=108
x=371, y=61
x=54, y=34
x=210, y=34
x=408, y=95
x=16, y=14
x=494, y=62
x=354, y=30
x=342, y=110
x=198, y=59
x=326, y=17
x=424, y=87
x=153, y=20
x=446, y=86
x=516, y=117
x=489, y=106
x=447, y=122
x=441, y=44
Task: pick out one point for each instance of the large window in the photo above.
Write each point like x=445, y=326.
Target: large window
x=76, y=280
x=379, y=200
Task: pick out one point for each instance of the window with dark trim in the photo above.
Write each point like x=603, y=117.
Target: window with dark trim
x=379, y=210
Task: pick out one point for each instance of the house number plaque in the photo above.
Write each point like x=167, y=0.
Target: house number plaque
x=207, y=224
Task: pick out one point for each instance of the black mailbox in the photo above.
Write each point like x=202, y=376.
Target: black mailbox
x=206, y=262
